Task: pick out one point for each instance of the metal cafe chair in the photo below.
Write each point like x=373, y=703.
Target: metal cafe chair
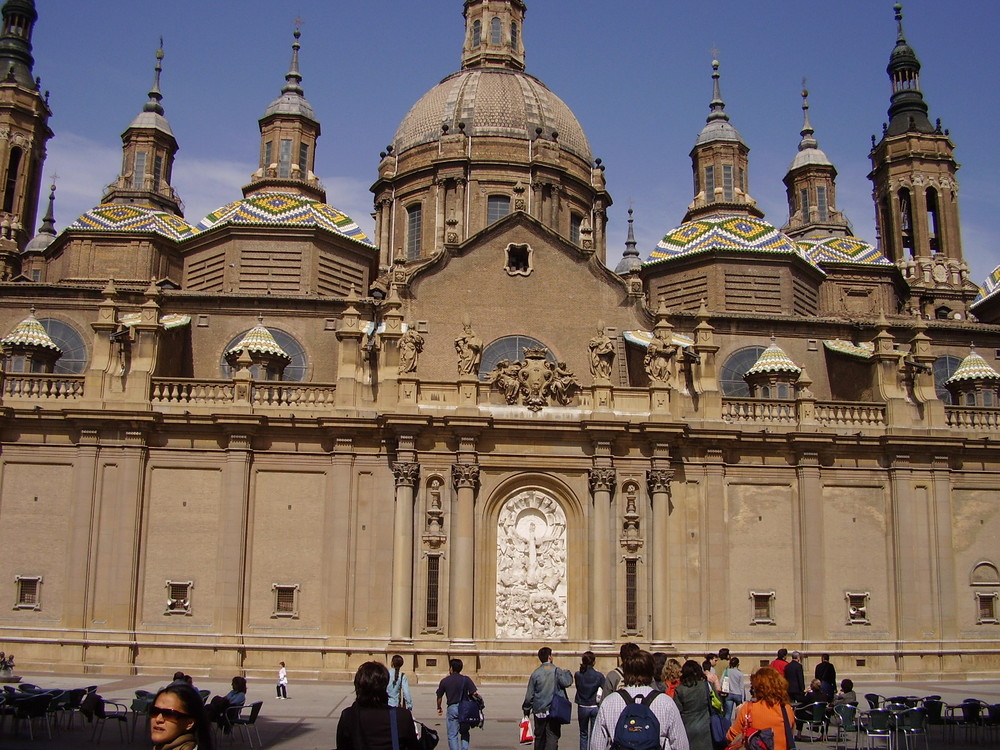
x=876, y=726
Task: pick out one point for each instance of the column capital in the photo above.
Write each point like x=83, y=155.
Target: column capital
x=658, y=480
x=465, y=475
x=406, y=473
x=602, y=479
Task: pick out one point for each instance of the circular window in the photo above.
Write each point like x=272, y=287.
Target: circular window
x=510, y=348
x=944, y=368
x=295, y=371
x=731, y=375
x=73, y=360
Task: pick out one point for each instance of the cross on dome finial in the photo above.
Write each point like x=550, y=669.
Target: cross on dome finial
x=898, y=8
x=155, y=97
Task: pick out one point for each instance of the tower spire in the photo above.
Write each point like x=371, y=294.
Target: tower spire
x=155, y=97
x=717, y=107
x=630, y=258
x=16, y=62
x=293, y=79
x=907, y=108
x=807, y=132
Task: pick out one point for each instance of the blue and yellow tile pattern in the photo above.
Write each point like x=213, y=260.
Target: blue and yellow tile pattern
x=722, y=233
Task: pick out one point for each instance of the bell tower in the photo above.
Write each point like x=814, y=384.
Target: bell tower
x=493, y=34
x=24, y=116
x=916, y=194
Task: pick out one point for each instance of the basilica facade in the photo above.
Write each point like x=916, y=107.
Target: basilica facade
x=262, y=435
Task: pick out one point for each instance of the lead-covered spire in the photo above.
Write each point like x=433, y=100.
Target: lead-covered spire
x=907, y=108
x=16, y=62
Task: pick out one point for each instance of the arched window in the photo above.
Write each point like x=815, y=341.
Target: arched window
x=414, y=230
x=944, y=368
x=933, y=226
x=497, y=206
x=295, y=371
x=496, y=32
x=74, y=351
x=10, y=181
x=513, y=35
x=906, y=219
x=477, y=33
x=731, y=375
x=509, y=348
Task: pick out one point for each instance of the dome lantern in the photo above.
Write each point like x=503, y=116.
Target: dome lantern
x=493, y=34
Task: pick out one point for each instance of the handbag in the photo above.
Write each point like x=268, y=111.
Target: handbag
x=725, y=682
x=526, y=736
x=428, y=737
x=561, y=709
x=719, y=723
x=470, y=709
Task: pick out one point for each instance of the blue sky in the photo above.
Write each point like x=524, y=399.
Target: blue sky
x=635, y=72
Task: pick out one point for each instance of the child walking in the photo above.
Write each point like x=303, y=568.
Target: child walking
x=282, y=682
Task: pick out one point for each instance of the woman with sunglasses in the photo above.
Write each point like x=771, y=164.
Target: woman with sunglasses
x=177, y=719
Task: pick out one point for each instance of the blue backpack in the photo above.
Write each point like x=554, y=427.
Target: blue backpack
x=637, y=727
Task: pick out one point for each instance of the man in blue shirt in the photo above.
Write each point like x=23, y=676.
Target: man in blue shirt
x=455, y=687
x=542, y=685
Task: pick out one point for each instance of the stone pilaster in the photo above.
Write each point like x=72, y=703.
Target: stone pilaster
x=602, y=484
x=658, y=485
x=462, y=544
x=406, y=474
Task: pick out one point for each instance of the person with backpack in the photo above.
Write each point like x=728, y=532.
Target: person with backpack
x=765, y=721
x=455, y=688
x=545, y=683
x=637, y=716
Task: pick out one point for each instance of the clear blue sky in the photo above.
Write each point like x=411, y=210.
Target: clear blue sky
x=635, y=72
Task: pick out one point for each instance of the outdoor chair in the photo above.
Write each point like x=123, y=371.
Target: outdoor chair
x=57, y=706
x=876, y=726
x=874, y=700
x=76, y=696
x=109, y=711
x=140, y=708
x=813, y=716
x=245, y=719
x=912, y=724
x=30, y=708
x=847, y=714
x=991, y=725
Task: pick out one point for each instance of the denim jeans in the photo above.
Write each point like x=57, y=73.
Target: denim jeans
x=732, y=703
x=458, y=738
x=586, y=715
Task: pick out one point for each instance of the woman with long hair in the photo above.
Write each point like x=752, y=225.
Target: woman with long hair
x=370, y=722
x=177, y=719
x=588, y=684
x=671, y=676
x=692, y=697
x=769, y=709
x=399, y=685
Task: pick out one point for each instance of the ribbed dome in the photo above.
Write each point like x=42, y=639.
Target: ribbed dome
x=492, y=102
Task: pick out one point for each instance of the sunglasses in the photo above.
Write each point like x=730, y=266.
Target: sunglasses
x=167, y=713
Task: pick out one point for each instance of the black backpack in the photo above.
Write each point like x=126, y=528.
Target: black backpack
x=637, y=727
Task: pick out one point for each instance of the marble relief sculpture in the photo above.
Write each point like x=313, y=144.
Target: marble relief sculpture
x=531, y=567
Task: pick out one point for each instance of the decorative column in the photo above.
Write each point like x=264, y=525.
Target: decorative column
x=462, y=575
x=658, y=484
x=809, y=543
x=406, y=475
x=602, y=484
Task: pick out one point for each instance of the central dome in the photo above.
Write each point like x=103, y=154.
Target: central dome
x=492, y=102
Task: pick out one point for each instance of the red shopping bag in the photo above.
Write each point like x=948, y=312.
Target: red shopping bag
x=525, y=730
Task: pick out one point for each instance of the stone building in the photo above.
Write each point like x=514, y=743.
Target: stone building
x=265, y=435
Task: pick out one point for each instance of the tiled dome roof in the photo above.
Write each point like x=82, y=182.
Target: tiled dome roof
x=973, y=367
x=259, y=339
x=773, y=359
x=722, y=233
x=29, y=332
x=841, y=250
x=990, y=287
x=491, y=102
x=119, y=217
x=284, y=209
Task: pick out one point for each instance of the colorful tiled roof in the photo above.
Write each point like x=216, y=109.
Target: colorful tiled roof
x=990, y=286
x=743, y=233
x=864, y=350
x=773, y=359
x=642, y=338
x=284, y=209
x=29, y=332
x=841, y=250
x=973, y=367
x=119, y=217
x=259, y=339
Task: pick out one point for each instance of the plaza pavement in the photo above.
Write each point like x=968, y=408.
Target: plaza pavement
x=308, y=720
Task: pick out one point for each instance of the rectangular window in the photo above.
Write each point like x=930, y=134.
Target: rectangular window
x=157, y=172
x=285, y=159
x=268, y=149
x=304, y=158
x=987, y=606
x=710, y=183
x=179, y=597
x=433, y=587
x=857, y=607
x=575, y=225
x=743, y=179
x=286, y=600
x=804, y=204
x=727, y=183
x=631, y=595
x=763, y=607
x=821, y=204
x=29, y=592
x=414, y=228
x=497, y=206
x=139, y=170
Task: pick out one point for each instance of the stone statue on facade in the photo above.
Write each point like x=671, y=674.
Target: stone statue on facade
x=602, y=354
x=470, y=350
x=411, y=344
x=505, y=377
x=564, y=384
x=534, y=380
x=658, y=355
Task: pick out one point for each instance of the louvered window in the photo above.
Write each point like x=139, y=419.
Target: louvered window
x=286, y=600
x=29, y=592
